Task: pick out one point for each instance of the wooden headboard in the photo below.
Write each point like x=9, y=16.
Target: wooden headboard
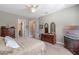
x=71, y=27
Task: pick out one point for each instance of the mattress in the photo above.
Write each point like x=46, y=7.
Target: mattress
x=29, y=46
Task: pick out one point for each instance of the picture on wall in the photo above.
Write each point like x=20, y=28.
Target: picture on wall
x=41, y=26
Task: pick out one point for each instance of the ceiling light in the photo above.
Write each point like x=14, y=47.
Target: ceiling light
x=32, y=7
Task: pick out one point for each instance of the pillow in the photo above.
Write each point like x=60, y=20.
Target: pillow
x=10, y=42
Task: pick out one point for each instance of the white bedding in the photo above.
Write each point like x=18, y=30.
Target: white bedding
x=30, y=46
x=10, y=42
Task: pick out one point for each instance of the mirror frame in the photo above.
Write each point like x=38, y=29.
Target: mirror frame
x=46, y=26
x=52, y=27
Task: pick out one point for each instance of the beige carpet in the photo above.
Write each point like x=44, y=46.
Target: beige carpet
x=56, y=49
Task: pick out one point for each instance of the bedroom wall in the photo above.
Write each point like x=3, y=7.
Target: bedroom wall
x=7, y=19
x=37, y=28
x=61, y=18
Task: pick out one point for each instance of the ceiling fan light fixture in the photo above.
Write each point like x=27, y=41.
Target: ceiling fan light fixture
x=33, y=10
x=32, y=7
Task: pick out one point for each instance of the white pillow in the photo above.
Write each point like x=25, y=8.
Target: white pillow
x=10, y=42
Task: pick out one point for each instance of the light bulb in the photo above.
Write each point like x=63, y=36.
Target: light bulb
x=33, y=9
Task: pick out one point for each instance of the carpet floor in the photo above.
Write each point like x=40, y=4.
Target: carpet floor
x=56, y=49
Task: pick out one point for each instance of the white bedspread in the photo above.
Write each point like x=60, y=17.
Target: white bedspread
x=10, y=42
x=28, y=46
x=31, y=46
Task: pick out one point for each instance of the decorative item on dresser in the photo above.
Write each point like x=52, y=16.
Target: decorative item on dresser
x=7, y=31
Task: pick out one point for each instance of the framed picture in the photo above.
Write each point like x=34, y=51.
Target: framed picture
x=41, y=26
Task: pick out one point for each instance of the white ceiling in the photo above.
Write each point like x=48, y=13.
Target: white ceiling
x=43, y=9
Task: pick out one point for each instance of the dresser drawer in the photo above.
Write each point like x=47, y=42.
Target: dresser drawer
x=48, y=38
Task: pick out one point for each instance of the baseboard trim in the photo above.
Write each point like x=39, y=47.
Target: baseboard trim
x=60, y=43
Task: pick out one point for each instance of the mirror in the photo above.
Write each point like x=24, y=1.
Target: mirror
x=52, y=27
x=46, y=28
x=20, y=31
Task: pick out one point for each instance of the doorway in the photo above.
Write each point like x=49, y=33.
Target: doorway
x=32, y=28
x=21, y=29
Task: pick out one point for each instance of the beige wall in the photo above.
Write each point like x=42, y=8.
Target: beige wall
x=9, y=19
x=12, y=20
x=62, y=18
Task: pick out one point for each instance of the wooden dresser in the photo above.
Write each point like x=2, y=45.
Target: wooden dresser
x=48, y=38
x=72, y=45
x=7, y=31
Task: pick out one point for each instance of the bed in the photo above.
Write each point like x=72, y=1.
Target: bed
x=72, y=32
x=71, y=39
x=28, y=46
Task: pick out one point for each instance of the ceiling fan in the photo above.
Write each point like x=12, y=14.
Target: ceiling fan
x=32, y=8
